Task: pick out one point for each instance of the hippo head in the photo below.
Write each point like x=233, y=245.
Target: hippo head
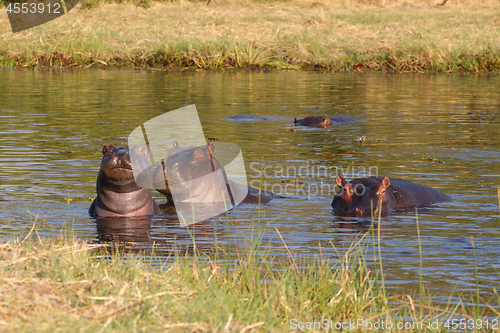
x=117, y=169
x=362, y=195
x=314, y=121
x=325, y=123
x=183, y=167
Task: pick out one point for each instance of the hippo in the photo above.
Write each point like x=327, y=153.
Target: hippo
x=313, y=121
x=184, y=165
x=355, y=197
x=322, y=122
x=118, y=195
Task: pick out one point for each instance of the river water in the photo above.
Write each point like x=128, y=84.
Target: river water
x=441, y=131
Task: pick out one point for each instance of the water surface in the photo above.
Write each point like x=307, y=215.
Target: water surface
x=439, y=131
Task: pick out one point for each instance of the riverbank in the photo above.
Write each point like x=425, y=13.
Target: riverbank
x=65, y=284
x=293, y=34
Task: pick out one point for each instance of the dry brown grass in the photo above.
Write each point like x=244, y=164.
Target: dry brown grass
x=378, y=35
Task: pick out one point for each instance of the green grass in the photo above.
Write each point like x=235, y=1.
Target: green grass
x=64, y=284
x=300, y=34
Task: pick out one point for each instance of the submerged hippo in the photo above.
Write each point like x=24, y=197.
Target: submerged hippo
x=247, y=117
x=355, y=197
x=322, y=122
x=193, y=174
x=117, y=191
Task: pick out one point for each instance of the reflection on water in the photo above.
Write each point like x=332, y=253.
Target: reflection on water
x=439, y=131
x=123, y=229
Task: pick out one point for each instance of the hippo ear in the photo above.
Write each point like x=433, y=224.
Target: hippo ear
x=147, y=150
x=211, y=148
x=326, y=121
x=340, y=181
x=385, y=182
x=107, y=149
x=295, y=121
x=176, y=144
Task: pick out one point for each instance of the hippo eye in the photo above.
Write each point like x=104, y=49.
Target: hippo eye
x=198, y=153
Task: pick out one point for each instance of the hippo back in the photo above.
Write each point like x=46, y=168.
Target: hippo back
x=419, y=193
x=246, y=117
x=344, y=120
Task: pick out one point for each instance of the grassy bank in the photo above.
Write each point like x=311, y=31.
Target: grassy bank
x=66, y=285
x=337, y=36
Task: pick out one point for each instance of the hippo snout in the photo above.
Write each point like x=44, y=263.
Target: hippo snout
x=115, y=158
x=176, y=173
x=354, y=211
x=358, y=212
x=123, y=160
x=172, y=169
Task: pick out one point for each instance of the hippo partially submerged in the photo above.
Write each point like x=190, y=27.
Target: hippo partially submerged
x=193, y=174
x=313, y=121
x=118, y=195
x=322, y=122
x=357, y=197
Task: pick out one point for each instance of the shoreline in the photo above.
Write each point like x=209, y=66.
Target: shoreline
x=32, y=64
x=242, y=70
x=57, y=62
x=298, y=35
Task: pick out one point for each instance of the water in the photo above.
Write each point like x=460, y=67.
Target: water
x=439, y=131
